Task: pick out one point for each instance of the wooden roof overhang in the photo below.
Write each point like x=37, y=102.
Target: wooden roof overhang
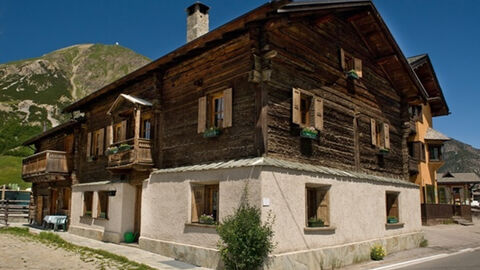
x=65, y=127
x=423, y=67
x=122, y=98
x=363, y=16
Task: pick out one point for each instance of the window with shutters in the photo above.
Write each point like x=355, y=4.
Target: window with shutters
x=215, y=110
x=317, y=205
x=350, y=63
x=120, y=131
x=87, y=203
x=307, y=109
x=435, y=152
x=392, y=207
x=205, y=201
x=102, y=207
x=380, y=133
x=95, y=144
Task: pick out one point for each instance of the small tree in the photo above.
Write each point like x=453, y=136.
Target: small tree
x=245, y=241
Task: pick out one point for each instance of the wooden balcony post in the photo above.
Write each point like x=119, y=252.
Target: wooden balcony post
x=3, y=192
x=137, y=130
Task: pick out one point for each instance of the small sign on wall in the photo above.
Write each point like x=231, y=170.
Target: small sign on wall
x=266, y=202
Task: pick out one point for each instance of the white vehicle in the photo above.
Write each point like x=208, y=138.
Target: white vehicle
x=475, y=203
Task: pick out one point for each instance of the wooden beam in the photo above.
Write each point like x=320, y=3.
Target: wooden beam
x=387, y=59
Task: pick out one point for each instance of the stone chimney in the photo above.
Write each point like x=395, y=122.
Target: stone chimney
x=197, y=21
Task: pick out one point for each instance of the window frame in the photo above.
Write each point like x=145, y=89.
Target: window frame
x=431, y=153
x=99, y=204
x=208, y=203
x=212, y=113
x=146, y=117
x=88, y=204
x=308, y=109
x=395, y=204
x=310, y=189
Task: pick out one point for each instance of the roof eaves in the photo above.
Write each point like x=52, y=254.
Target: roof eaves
x=52, y=131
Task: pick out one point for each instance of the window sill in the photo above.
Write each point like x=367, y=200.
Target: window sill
x=394, y=225
x=329, y=229
x=100, y=218
x=90, y=217
x=201, y=225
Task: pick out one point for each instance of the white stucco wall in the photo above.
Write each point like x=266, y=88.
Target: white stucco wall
x=357, y=209
x=121, y=211
x=166, y=203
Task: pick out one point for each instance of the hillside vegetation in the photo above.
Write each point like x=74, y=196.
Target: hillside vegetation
x=34, y=91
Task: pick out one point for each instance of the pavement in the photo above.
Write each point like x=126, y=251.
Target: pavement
x=130, y=251
x=443, y=241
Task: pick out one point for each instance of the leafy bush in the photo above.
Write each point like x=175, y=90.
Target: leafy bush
x=424, y=243
x=245, y=241
x=377, y=253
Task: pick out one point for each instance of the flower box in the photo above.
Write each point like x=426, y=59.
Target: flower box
x=309, y=133
x=352, y=74
x=383, y=151
x=211, y=133
x=124, y=147
x=111, y=150
x=316, y=223
x=206, y=219
x=392, y=220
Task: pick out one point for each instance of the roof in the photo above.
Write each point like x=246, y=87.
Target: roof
x=60, y=128
x=433, y=134
x=466, y=178
x=389, y=56
x=422, y=65
x=280, y=163
x=132, y=99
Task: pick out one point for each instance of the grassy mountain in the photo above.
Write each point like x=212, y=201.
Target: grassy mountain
x=461, y=157
x=34, y=91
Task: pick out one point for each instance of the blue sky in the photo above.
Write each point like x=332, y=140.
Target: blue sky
x=448, y=30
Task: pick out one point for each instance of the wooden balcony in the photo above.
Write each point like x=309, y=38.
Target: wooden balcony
x=413, y=126
x=131, y=154
x=47, y=166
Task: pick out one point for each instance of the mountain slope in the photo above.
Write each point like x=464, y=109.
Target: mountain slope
x=461, y=157
x=33, y=91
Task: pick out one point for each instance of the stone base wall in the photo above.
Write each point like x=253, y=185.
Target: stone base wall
x=205, y=257
x=321, y=258
x=86, y=232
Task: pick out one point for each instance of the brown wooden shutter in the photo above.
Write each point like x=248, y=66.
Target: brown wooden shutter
x=318, y=113
x=386, y=134
x=357, y=64
x=296, y=115
x=123, y=131
x=198, y=199
x=109, y=137
x=101, y=136
x=202, y=114
x=227, y=121
x=89, y=144
x=343, y=64
x=373, y=131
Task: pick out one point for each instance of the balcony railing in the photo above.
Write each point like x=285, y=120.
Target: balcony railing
x=131, y=153
x=47, y=162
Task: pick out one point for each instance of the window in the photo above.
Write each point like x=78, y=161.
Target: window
x=205, y=202
x=66, y=196
x=392, y=207
x=415, y=112
x=317, y=206
x=102, y=210
x=307, y=109
x=95, y=144
x=416, y=150
x=215, y=110
x=87, y=203
x=117, y=131
x=146, y=131
x=442, y=195
x=380, y=134
x=435, y=152
x=429, y=194
x=348, y=62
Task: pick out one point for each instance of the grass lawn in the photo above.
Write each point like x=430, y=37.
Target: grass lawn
x=11, y=171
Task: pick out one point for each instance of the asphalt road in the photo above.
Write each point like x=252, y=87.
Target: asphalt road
x=468, y=260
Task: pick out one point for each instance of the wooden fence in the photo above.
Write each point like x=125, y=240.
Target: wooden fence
x=433, y=213
x=14, y=211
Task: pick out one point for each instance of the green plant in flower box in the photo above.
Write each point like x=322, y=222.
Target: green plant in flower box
x=309, y=133
x=124, y=147
x=314, y=222
x=211, y=132
x=352, y=74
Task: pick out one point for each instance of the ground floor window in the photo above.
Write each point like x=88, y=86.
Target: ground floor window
x=87, y=203
x=442, y=195
x=102, y=210
x=205, y=203
x=392, y=207
x=429, y=194
x=317, y=206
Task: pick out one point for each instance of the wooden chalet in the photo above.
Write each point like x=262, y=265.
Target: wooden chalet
x=50, y=171
x=304, y=102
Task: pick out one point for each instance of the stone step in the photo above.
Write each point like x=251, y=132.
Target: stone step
x=462, y=221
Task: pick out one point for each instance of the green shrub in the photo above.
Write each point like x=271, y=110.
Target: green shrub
x=424, y=243
x=377, y=253
x=245, y=241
